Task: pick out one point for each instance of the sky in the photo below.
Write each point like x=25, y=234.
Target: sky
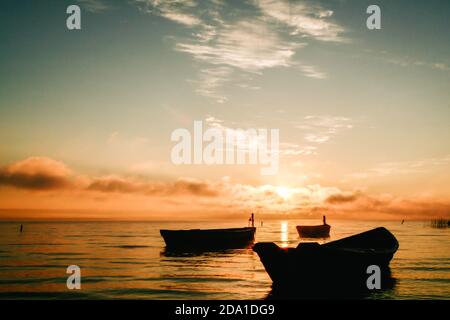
x=87, y=115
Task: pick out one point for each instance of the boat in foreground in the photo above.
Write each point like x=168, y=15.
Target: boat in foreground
x=337, y=263
x=200, y=239
x=320, y=231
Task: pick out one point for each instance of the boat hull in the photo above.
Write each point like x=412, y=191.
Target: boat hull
x=197, y=239
x=322, y=231
x=335, y=264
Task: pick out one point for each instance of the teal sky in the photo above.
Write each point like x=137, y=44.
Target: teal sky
x=355, y=106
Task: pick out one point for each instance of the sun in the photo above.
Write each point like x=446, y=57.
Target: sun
x=284, y=192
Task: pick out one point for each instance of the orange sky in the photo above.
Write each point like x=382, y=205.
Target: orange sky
x=44, y=188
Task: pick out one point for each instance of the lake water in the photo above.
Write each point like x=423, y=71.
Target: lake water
x=127, y=260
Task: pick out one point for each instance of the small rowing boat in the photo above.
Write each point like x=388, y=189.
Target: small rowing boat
x=197, y=239
x=320, y=231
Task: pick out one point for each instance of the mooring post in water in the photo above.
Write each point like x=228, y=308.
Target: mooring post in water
x=324, y=220
x=21, y=227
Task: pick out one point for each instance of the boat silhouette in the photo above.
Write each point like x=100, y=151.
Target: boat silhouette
x=338, y=264
x=319, y=231
x=214, y=239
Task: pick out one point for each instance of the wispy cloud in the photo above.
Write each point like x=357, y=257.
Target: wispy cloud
x=407, y=61
x=267, y=38
x=358, y=203
x=318, y=129
x=305, y=19
x=321, y=129
x=294, y=149
x=211, y=80
x=385, y=169
x=241, y=138
x=95, y=6
x=247, y=45
x=175, y=10
x=441, y=66
x=312, y=72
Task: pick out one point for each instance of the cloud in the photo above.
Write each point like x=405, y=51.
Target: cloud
x=194, y=187
x=312, y=72
x=316, y=138
x=181, y=18
x=319, y=130
x=211, y=80
x=94, y=6
x=224, y=195
x=304, y=19
x=118, y=185
x=247, y=45
x=41, y=173
x=293, y=149
x=323, y=128
x=385, y=206
x=36, y=173
x=441, y=66
x=339, y=198
x=406, y=61
x=403, y=167
x=183, y=186
x=229, y=38
x=173, y=10
x=247, y=140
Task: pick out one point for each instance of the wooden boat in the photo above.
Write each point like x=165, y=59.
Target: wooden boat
x=209, y=238
x=338, y=263
x=199, y=239
x=320, y=231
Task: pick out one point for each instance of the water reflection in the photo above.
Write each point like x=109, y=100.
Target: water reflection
x=173, y=253
x=354, y=288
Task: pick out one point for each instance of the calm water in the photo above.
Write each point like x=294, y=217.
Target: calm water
x=127, y=260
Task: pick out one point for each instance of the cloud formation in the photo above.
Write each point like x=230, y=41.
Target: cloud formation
x=247, y=45
x=304, y=19
x=182, y=186
x=36, y=173
x=211, y=80
x=44, y=174
x=245, y=37
x=318, y=129
x=322, y=128
x=385, y=169
x=94, y=6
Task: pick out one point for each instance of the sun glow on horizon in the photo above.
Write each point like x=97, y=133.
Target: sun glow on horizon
x=284, y=192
